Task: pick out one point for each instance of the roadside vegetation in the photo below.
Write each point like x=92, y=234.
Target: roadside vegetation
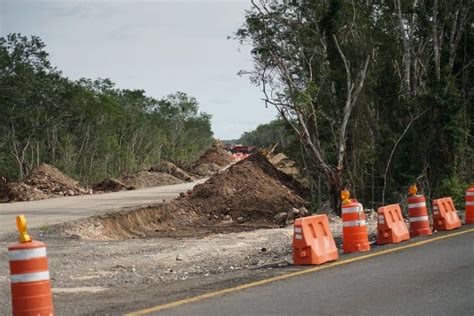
x=89, y=129
x=373, y=95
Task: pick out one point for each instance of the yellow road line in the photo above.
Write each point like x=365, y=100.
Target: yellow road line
x=290, y=275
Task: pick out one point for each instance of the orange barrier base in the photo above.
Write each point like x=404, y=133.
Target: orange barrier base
x=391, y=227
x=445, y=216
x=312, y=241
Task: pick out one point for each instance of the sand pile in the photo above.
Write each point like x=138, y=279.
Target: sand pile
x=249, y=195
x=44, y=181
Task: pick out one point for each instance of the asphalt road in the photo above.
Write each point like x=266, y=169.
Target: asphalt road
x=57, y=210
x=436, y=278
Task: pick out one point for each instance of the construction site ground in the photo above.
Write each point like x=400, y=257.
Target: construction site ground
x=107, y=273
x=233, y=228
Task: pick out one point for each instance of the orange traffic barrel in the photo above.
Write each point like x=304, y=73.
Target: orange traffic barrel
x=470, y=205
x=312, y=241
x=418, y=216
x=354, y=229
x=445, y=216
x=29, y=275
x=390, y=225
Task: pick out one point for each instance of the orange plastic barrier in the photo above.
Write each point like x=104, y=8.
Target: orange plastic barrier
x=470, y=205
x=312, y=241
x=444, y=215
x=418, y=216
x=354, y=229
x=29, y=278
x=390, y=225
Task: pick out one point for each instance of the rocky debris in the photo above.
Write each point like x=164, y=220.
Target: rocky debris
x=110, y=185
x=146, y=179
x=44, y=181
x=172, y=169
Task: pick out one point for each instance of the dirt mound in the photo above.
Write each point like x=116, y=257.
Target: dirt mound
x=43, y=182
x=110, y=185
x=172, y=169
x=146, y=179
x=207, y=169
x=249, y=195
x=215, y=155
x=251, y=190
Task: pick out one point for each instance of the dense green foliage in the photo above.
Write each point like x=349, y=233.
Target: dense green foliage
x=379, y=93
x=88, y=129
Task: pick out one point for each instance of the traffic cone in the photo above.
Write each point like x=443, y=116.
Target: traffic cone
x=470, y=205
x=355, y=236
x=29, y=275
x=418, y=214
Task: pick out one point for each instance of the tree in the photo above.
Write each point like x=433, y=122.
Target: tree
x=308, y=68
x=87, y=128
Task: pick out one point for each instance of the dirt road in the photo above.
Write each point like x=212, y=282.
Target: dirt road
x=57, y=210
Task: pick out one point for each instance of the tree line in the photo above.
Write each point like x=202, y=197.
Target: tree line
x=378, y=94
x=87, y=128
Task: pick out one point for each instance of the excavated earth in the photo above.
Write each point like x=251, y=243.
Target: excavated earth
x=250, y=194
x=43, y=182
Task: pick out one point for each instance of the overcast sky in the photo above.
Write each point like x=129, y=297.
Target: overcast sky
x=160, y=46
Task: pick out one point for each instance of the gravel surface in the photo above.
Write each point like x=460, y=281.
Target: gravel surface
x=82, y=267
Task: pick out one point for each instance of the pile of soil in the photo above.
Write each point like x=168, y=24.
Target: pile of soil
x=212, y=160
x=146, y=179
x=249, y=195
x=110, y=185
x=44, y=181
x=172, y=169
x=252, y=190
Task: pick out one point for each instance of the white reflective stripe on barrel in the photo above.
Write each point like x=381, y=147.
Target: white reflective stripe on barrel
x=381, y=219
x=414, y=205
x=354, y=223
x=29, y=277
x=297, y=229
x=25, y=254
x=469, y=203
x=298, y=236
x=435, y=212
x=418, y=219
x=348, y=210
x=470, y=193
x=435, y=207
